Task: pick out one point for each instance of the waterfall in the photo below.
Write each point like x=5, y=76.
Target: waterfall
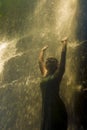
x=7, y=51
x=20, y=99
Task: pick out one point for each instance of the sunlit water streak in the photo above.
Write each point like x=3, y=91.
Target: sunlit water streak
x=7, y=51
x=65, y=15
x=39, y=6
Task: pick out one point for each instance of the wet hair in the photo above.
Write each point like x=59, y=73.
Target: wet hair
x=51, y=64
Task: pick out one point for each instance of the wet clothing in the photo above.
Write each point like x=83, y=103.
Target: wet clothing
x=54, y=115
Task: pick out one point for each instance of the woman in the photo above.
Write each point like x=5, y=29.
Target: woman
x=54, y=115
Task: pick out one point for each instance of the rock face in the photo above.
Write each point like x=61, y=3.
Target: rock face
x=13, y=16
x=81, y=102
x=16, y=68
x=82, y=20
x=19, y=105
x=19, y=91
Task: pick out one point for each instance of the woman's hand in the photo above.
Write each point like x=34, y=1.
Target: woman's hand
x=44, y=48
x=64, y=40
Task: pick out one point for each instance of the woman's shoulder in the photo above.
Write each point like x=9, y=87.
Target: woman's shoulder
x=47, y=78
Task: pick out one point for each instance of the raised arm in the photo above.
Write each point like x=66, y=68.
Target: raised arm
x=59, y=73
x=41, y=60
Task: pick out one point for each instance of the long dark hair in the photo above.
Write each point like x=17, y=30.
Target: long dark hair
x=51, y=64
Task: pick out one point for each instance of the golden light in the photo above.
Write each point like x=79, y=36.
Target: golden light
x=3, y=46
x=65, y=14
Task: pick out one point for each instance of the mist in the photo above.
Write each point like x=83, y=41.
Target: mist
x=25, y=27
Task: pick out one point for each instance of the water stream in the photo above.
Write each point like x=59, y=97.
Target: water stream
x=20, y=100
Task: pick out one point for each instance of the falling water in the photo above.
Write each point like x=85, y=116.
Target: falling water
x=7, y=50
x=65, y=15
x=20, y=94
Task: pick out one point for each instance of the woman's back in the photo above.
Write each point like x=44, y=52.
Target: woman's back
x=54, y=115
